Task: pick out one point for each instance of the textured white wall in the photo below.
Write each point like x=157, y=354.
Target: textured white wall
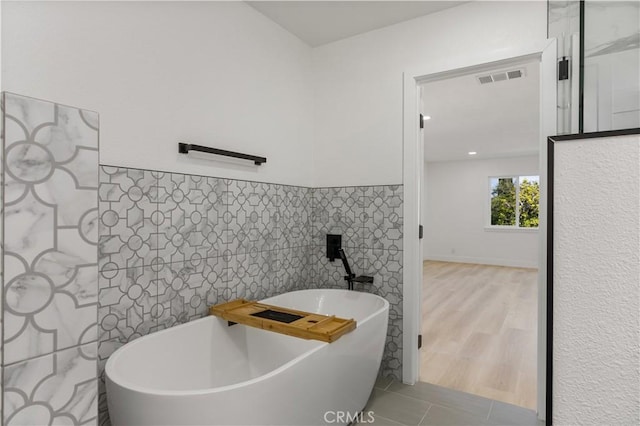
x=358, y=82
x=596, y=340
x=456, y=213
x=215, y=73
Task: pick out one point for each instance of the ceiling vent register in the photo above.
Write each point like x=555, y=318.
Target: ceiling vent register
x=500, y=76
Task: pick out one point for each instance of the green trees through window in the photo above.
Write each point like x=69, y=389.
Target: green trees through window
x=515, y=201
x=529, y=204
x=503, y=201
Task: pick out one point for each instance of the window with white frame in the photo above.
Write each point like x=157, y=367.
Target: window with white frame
x=514, y=201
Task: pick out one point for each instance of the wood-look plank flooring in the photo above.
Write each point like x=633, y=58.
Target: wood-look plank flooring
x=479, y=328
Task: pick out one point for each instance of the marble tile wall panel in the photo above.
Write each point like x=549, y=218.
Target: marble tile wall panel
x=1, y=239
x=382, y=219
x=186, y=289
x=611, y=85
x=160, y=255
x=50, y=292
x=169, y=245
x=254, y=274
x=386, y=268
x=295, y=216
x=338, y=211
x=173, y=244
x=128, y=262
x=105, y=349
x=611, y=27
x=127, y=297
x=161, y=233
x=208, y=240
x=190, y=217
x=252, y=216
x=128, y=218
x=563, y=17
x=58, y=388
x=161, y=249
x=296, y=270
x=370, y=220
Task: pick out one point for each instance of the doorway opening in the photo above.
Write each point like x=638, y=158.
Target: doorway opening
x=545, y=53
x=480, y=212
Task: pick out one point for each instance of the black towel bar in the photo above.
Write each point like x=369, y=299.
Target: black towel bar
x=184, y=148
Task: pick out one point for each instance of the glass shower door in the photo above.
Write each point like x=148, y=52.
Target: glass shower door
x=599, y=46
x=611, y=65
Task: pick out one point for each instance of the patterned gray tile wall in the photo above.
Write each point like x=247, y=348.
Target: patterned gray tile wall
x=370, y=222
x=1, y=245
x=50, y=184
x=171, y=244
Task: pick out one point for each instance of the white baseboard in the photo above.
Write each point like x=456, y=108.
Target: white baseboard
x=515, y=263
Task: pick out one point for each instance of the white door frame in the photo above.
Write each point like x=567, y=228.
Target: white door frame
x=546, y=53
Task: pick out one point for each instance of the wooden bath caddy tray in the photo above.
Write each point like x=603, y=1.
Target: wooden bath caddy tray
x=284, y=320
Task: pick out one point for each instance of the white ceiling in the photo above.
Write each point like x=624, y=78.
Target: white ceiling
x=320, y=22
x=499, y=119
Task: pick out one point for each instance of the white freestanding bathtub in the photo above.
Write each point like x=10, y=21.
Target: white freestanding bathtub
x=208, y=373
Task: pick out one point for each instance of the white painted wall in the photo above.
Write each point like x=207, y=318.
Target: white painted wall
x=222, y=74
x=596, y=356
x=214, y=73
x=456, y=214
x=358, y=82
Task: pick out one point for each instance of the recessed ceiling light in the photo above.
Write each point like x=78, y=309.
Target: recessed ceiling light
x=472, y=153
x=426, y=117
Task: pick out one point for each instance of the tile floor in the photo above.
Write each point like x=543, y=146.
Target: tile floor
x=394, y=403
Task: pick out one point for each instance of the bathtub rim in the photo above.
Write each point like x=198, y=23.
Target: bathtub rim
x=124, y=383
